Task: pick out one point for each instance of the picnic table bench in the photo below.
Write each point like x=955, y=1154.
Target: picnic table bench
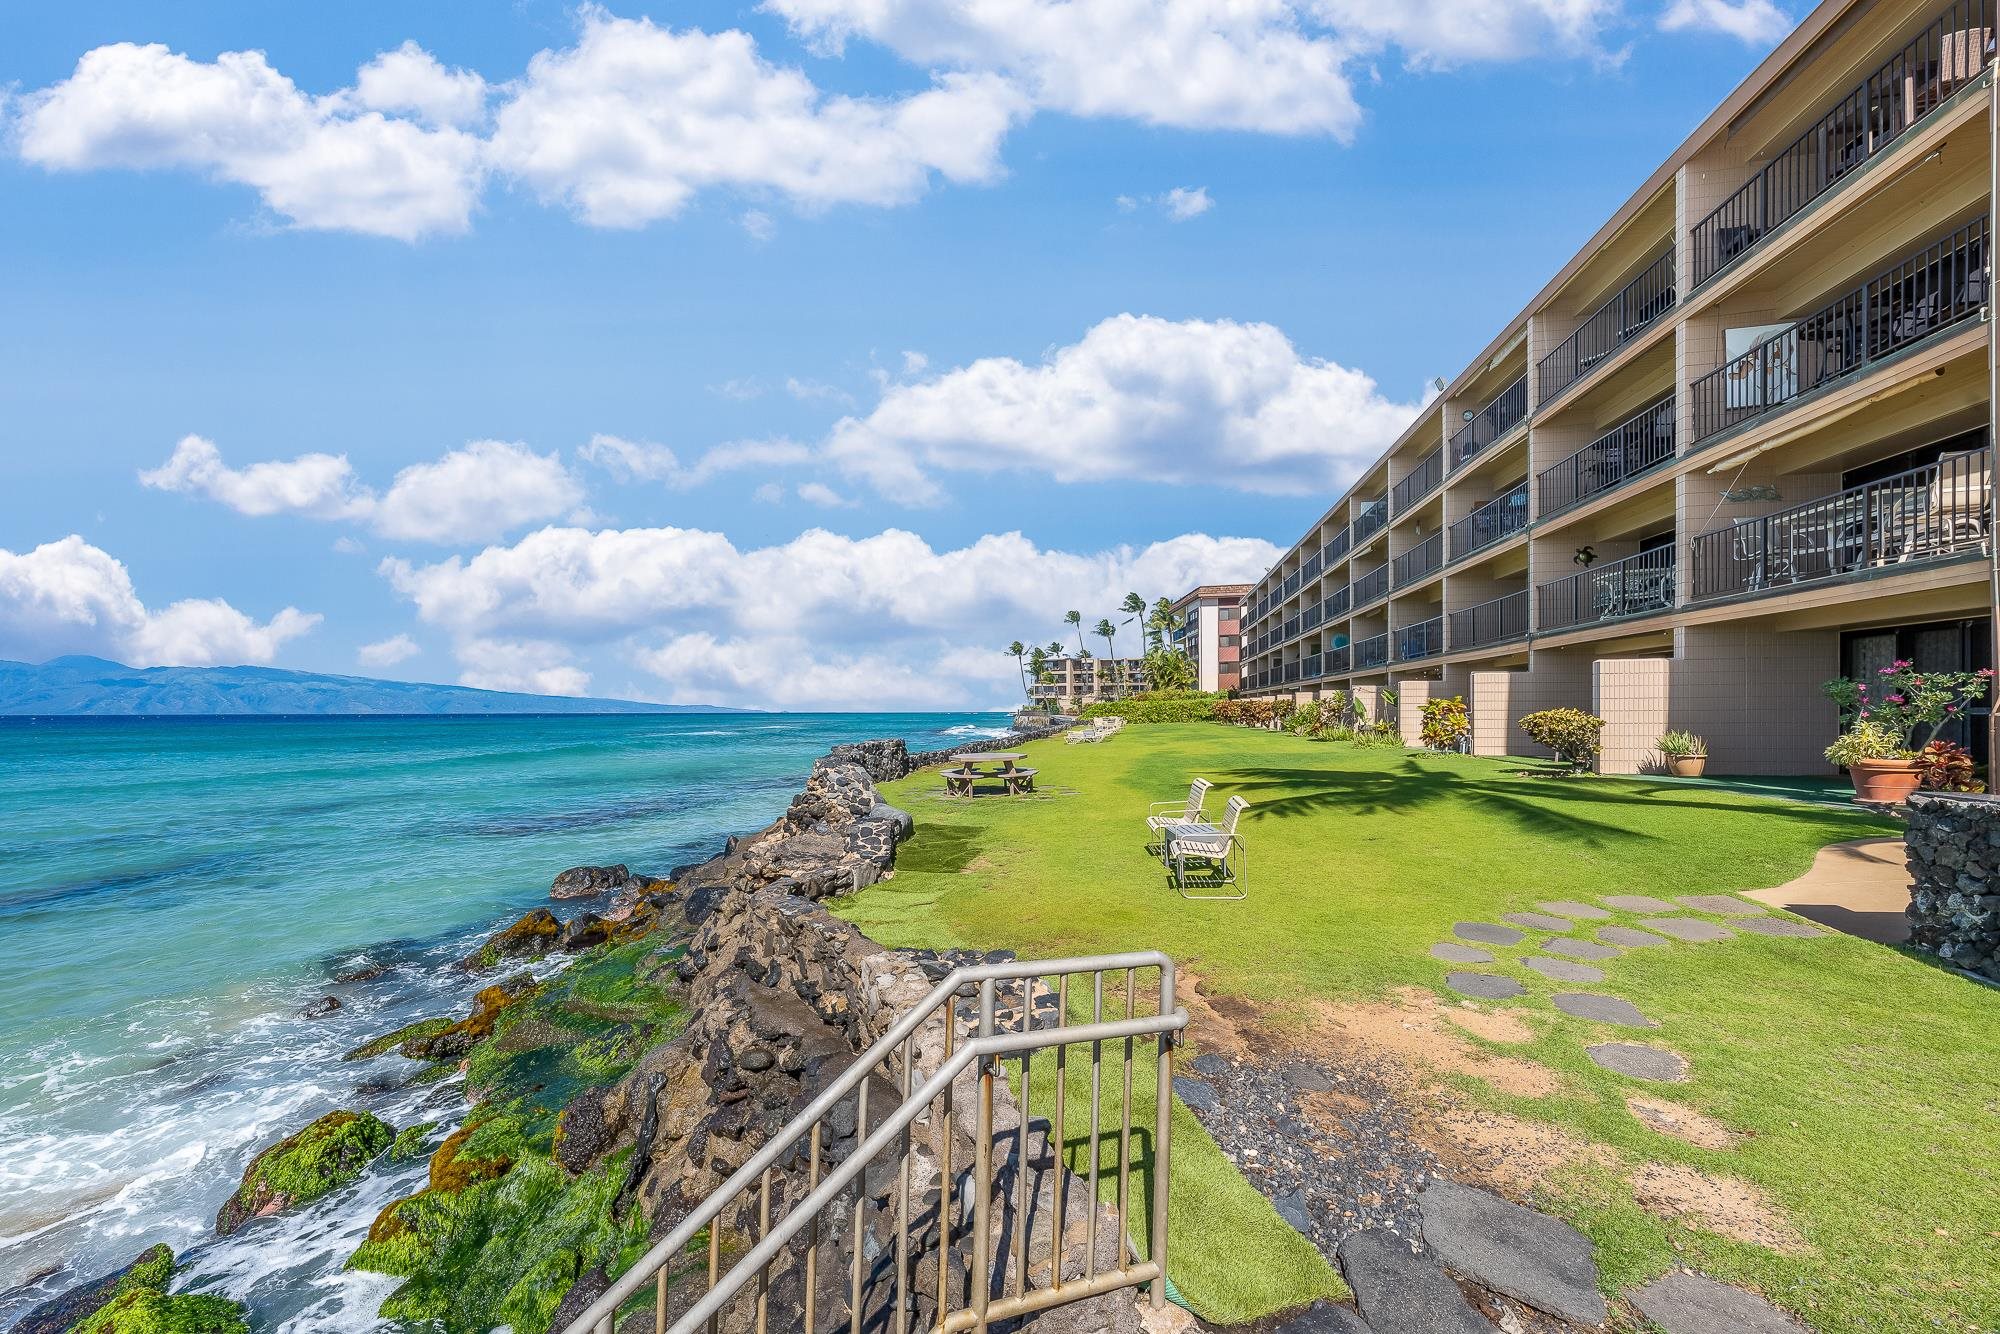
x=959, y=781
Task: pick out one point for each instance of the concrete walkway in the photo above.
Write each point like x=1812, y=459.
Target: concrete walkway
x=1860, y=888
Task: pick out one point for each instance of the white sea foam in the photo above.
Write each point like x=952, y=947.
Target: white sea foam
x=974, y=729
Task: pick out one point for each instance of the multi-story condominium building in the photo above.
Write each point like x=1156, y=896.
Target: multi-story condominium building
x=1739, y=445
x=1084, y=680
x=1208, y=629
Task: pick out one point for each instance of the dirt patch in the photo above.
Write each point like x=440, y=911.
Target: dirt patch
x=1493, y=1025
x=980, y=865
x=1683, y=1123
x=1513, y=1154
x=1728, y=1206
x=1214, y=1023
x=1417, y=1028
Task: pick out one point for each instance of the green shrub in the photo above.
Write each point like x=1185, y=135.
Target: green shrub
x=1378, y=734
x=1571, y=733
x=1306, y=718
x=1681, y=745
x=1447, y=723
x=1866, y=740
x=1161, y=706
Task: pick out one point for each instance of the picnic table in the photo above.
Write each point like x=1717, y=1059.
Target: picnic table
x=973, y=768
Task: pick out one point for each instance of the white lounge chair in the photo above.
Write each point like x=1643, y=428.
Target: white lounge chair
x=1188, y=811
x=1217, y=846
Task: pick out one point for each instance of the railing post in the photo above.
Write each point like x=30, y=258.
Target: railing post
x=1163, y=1109
x=982, y=1184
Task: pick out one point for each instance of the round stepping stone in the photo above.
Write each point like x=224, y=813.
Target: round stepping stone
x=1604, y=1009
x=1579, y=949
x=1684, y=1303
x=1514, y=1250
x=1778, y=926
x=1451, y=953
x=1637, y=903
x=1692, y=929
x=1589, y=912
x=1486, y=986
x=1626, y=936
x=1540, y=921
x=1487, y=933
x=1629, y=1058
x=1562, y=970
x=1401, y=1292
x=1722, y=905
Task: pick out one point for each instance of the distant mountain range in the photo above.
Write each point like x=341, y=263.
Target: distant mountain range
x=93, y=686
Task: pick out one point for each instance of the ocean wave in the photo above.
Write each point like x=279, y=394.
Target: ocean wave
x=974, y=729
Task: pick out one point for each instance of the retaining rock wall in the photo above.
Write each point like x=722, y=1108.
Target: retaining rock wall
x=1953, y=843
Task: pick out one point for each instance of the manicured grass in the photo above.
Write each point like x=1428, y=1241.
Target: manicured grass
x=1863, y=1080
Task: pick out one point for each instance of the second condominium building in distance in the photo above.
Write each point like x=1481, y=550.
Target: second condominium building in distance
x=1208, y=629
x=1739, y=445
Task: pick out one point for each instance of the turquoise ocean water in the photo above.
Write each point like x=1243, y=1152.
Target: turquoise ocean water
x=173, y=892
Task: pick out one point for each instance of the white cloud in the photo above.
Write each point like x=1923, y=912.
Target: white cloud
x=388, y=652
x=1214, y=403
x=643, y=461
x=770, y=493
x=325, y=162
x=819, y=599
x=1755, y=22
x=1445, y=34
x=758, y=225
x=530, y=666
x=71, y=597
x=1179, y=204
x=819, y=493
x=481, y=491
x=348, y=546
x=816, y=391
x=792, y=674
x=740, y=390
x=914, y=363
x=411, y=79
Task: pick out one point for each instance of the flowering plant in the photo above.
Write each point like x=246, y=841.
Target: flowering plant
x=1945, y=767
x=1902, y=700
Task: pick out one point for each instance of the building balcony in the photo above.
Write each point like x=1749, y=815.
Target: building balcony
x=1499, y=518
x=1632, y=447
x=1314, y=563
x=1372, y=586
x=1336, y=602
x=1636, y=586
x=1419, y=562
x=1937, y=512
x=1949, y=53
x=1500, y=621
x=1490, y=423
x=1611, y=326
x=1422, y=480
x=1924, y=294
x=1334, y=660
x=1312, y=666
x=1369, y=520
x=1291, y=672
x=1422, y=640
x=1337, y=545
x=1292, y=629
x=1370, y=653
x=1312, y=617
x=1291, y=584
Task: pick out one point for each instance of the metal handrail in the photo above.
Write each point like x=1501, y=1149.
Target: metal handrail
x=1421, y=481
x=1492, y=622
x=1641, y=442
x=985, y=1049
x=1500, y=517
x=1611, y=326
x=1372, y=652
x=1419, y=562
x=1373, y=516
x=1422, y=640
x=1508, y=409
x=1638, y=585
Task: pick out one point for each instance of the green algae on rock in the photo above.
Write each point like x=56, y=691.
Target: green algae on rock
x=411, y=1142
x=326, y=1155
x=388, y=1042
x=134, y=1300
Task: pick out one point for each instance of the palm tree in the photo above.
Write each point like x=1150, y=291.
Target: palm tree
x=1038, y=662
x=1075, y=618
x=1134, y=608
x=1106, y=631
x=1160, y=623
x=1017, y=648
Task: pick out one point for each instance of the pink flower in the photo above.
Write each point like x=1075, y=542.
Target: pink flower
x=1896, y=699
x=1864, y=713
x=1886, y=671
x=1984, y=671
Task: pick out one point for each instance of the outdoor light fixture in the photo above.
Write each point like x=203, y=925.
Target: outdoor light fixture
x=1466, y=415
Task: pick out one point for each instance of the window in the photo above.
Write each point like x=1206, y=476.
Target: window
x=1941, y=646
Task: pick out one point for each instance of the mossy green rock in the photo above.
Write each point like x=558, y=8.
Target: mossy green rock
x=320, y=1159
x=410, y=1143
x=420, y=1031
x=149, y=1311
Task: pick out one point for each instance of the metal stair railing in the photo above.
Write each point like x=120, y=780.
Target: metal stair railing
x=803, y=1138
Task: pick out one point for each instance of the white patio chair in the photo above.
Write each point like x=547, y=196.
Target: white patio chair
x=1163, y=813
x=1218, y=846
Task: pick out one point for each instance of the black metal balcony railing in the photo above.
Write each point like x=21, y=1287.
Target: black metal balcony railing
x=1312, y=661
x=1426, y=558
x=1931, y=513
x=1949, y=53
x=1371, y=653
x=1500, y=517
x=1292, y=630
x=1336, y=602
x=1611, y=326
x=1291, y=584
x=1496, y=622
x=1635, y=586
x=1335, y=660
x=1369, y=521
x=1313, y=564
x=1626, y=450
x=1312, y=617
x=1421, y=481
x=1930, y=290
x=1291, y=671
x=1371, y=585
x=1491, y=422
x=1336, y=547
x=1422, y=640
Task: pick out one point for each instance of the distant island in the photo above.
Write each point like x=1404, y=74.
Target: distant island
x=85, y=687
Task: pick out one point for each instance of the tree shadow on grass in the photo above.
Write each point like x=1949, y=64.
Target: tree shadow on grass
x=942, y=846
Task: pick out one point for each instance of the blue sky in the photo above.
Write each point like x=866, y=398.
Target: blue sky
x=797, y=355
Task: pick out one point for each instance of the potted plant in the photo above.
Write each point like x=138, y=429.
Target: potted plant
x=1883, y=717
x=1685, y=753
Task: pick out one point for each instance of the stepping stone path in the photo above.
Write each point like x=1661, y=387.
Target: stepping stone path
x=1588, y=912
x=1629, y=1058
x=1626, y=936
x=1580, y=949
x=1722, y=905
x=1778, y=926
x=1562, y=970
x=1487, y=933
x=1451, y=953
x=1636, y=903
x=1539, y=921
x=1512, y=1250
x=1604, y=1009
x=1684, y=1303
x=1403, y=1293
x=1486, y=986
x=1691, y=929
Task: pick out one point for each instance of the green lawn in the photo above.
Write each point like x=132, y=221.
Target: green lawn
x=1866, y=1083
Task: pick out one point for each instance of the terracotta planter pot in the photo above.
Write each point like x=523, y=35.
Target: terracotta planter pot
x=1883, y=782
x=1686, y=766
